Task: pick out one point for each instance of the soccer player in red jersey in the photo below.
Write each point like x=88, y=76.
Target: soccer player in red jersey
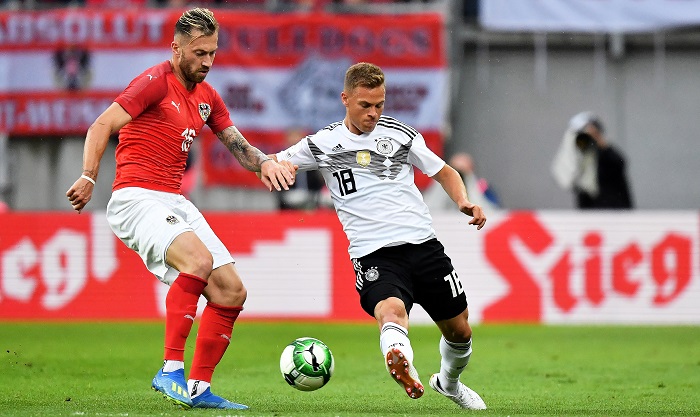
x=158, y=116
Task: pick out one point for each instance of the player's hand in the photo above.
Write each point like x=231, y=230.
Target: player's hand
x=80, y=193
x=276, y=175
x=478, y=216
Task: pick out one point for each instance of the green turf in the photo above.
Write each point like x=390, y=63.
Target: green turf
x=106, y=369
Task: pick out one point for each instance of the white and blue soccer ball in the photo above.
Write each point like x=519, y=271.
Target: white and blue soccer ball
x=307, y=364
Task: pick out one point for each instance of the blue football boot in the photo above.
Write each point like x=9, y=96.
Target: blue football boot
x=209, y=400
x=173, y=387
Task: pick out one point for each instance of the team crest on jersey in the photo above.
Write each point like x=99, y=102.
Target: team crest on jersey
x=372, y=274
x=204, y=111
x=363, y=158
x=384, y=146
x=171, y=219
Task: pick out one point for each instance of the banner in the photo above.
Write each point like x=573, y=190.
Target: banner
x=588, y=16
x=534, y=267
x=276, y=72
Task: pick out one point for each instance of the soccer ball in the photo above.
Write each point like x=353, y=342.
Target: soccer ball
x=307, y=364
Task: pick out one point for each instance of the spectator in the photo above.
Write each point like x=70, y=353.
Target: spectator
x=478, y=189
x=591, y=167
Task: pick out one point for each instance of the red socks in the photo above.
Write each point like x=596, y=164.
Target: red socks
x=181, y=308
x=213, y=338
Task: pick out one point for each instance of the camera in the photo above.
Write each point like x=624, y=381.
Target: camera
x=584, y=141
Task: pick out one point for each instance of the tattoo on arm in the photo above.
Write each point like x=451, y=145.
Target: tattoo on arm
x=250, y=157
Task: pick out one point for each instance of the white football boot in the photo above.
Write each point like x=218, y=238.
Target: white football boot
x=465, y=397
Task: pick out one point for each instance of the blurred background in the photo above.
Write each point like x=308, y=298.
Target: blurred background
x=494, y=84
x=497, y=81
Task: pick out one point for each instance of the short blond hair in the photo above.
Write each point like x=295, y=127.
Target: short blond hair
x=197, y=19
x=363, y=74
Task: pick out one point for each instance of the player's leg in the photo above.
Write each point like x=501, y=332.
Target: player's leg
x=455, y=352
x=147, y=222
x=440, y=292
x=226, y=295
x=385, y=295
x=190, y=256
x=395, y=345
x=187, y=254
x=455, y=349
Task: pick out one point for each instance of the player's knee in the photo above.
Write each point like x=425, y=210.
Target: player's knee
x=202, y=264
x=458, y=332
x=226, y=294
x=391, y=310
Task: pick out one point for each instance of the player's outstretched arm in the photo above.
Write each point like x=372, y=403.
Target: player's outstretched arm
x=290, y=166
x=109, y=122
x=451, y=181
x=272, y=174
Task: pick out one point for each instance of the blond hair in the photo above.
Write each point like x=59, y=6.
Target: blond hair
x=197, y=19
x=363, y=74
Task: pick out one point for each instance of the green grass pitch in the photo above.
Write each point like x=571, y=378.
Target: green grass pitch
x=105, y=369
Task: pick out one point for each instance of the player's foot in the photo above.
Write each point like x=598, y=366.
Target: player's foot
x=403, y=372
x=209, y=400
x=173, y=387
x=465, y=397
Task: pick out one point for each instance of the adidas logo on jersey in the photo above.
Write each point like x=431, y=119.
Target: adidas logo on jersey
x=337, y=148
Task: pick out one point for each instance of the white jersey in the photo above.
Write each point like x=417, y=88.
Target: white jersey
x=370, y=178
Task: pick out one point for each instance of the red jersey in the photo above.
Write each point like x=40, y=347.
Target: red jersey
x=166, y=118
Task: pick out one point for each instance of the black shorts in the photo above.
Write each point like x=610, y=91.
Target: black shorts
x=421, y=274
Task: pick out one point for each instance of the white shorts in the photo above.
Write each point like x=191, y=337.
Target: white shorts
x=148, y=221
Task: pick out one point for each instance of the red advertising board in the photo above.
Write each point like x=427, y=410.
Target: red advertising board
x=541, y=267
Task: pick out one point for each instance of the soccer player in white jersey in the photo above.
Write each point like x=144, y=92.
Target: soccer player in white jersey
x=367, y=162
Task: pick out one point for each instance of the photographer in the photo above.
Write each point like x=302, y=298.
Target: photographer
x=591, y=167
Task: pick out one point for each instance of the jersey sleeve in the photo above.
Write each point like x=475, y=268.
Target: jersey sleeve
x=299, y=154
x=141, y=93
x=220, y=118
x=422, y=157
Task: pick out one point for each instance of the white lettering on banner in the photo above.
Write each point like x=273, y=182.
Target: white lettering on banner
x=18, y=29
x=55, y=114
x=103, y=260
x=60, y=264
x=63, y=268
x=570, y=267
x=290, y=278
x=17, y=261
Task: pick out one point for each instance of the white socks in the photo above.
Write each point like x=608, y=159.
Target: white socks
x=196, y=387
x=172, y=366
x=395, y=336
x=454, y=358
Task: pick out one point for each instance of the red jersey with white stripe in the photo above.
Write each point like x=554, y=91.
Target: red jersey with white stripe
x=166, y=118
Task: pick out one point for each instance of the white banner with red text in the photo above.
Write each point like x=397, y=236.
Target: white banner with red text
x=588, y=16
x=532, y=267
x=59, y=69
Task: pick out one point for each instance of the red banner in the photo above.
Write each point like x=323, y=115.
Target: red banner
x=275, y=72
x=52, y=112
x=542, y=267
x=245, y=38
